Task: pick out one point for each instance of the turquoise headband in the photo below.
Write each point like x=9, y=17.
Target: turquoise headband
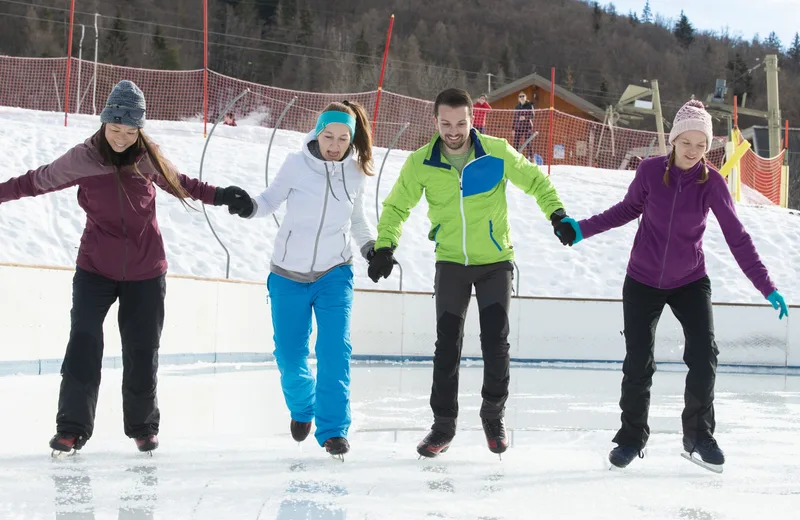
x=335, y=116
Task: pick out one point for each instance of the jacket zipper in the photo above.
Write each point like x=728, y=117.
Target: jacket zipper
x=124, y=228
x=286, y=246
x=669, y=232
x=321, y=219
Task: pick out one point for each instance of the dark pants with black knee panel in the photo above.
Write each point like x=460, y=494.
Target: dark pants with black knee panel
x=642, y=306
x=141, y=319
x=453, y=289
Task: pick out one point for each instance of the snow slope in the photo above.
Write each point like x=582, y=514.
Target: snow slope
x=46, y=230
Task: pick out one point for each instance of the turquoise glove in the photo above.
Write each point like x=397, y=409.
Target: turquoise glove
x=777, y=301
x=576, y=227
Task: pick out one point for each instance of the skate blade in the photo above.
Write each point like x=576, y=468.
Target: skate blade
x=58, y=454
x=716, y=468
x=339, y=457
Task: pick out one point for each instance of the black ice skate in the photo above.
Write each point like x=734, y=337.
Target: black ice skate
x=621, y=456
x=66, y=443
x=147, y=443
x=300, y=430
x=337, y=447
x=496, y=437
x=704, y=452
x=434, y=443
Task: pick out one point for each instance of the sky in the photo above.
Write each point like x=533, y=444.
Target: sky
x=740, y=16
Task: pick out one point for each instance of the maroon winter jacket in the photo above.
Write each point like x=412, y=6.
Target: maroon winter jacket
x=121, y=240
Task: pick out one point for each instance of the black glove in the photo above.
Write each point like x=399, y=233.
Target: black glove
x=381, y=263
x=562, y=230
x=237, y=200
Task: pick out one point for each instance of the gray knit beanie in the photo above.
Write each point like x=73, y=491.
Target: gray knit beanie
x=125, y=105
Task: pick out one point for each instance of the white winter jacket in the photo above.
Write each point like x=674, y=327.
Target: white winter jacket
x=324, y=206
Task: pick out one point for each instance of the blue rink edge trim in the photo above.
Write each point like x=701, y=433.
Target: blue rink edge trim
x=53, y=366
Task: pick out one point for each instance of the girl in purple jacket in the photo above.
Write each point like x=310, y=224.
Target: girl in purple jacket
x=121, y=256
x=673, y=195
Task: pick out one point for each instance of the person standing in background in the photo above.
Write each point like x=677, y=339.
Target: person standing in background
x=481, y=111
x=523, y=124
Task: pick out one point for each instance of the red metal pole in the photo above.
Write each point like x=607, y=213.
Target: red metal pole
x=205, y=67
x=786, y=137
x=736, y=112
x=383, y=70
x=69, y=62
x=552, y=117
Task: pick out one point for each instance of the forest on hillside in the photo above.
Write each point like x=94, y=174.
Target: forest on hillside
x=318, y=45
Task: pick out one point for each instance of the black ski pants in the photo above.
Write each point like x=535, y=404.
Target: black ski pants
x=453, y=289
x=642, y=306
x=141, y=318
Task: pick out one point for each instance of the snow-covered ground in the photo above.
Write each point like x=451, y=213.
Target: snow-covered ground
x=46, y=230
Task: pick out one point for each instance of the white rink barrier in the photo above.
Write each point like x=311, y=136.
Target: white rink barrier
x=228, y=321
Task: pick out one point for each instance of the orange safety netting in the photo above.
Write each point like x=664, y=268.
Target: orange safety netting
x=38, y=84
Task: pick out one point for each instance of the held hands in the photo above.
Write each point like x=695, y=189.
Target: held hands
x=565, y=228
x=237, y=200
x=777, y=301
x=381, y=263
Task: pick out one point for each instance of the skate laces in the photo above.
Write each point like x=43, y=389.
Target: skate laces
x=494, y=427
x=435, y=437
x=709, y=443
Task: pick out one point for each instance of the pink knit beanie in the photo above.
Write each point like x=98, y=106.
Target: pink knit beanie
x=692, y=116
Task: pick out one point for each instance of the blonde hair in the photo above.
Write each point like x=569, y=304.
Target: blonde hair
x=703, y=176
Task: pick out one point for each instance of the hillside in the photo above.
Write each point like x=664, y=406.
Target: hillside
x=316, y=45
x=47, y=229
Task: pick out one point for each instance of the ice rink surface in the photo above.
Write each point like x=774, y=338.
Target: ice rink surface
x=226, y=452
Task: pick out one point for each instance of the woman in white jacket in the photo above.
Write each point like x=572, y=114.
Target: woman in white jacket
x=311, y=268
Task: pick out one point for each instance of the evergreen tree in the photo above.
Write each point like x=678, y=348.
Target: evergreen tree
x=597, y=16
x=741, y=77
x=773, y=42
x=611, y=10
x=647, y=13
x=165, y=57
x=633, y=18
x=794, y=50
x=362, y=51
x=115, y=48
x=684, y=31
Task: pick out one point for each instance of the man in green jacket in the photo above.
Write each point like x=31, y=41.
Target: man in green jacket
x=463, y=175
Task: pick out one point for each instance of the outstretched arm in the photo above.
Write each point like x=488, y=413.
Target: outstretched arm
x=405, y=194
x=271, y=199
x=66, y=171
x=620, y=213
x=531, y=179
x=739, y=241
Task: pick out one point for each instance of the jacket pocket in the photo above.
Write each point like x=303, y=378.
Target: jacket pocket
x=433, y=233
x=286, y=246
x=491, y=235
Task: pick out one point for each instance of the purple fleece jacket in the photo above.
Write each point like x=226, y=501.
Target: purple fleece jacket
x=668, y=249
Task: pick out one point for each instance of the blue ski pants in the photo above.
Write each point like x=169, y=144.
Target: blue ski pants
x=326, y=401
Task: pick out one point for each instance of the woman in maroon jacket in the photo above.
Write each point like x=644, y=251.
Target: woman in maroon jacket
x=121, y=256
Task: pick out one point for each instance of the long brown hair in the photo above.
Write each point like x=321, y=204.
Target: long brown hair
x=362, y=141
x=703, y=176
x=129, y=157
